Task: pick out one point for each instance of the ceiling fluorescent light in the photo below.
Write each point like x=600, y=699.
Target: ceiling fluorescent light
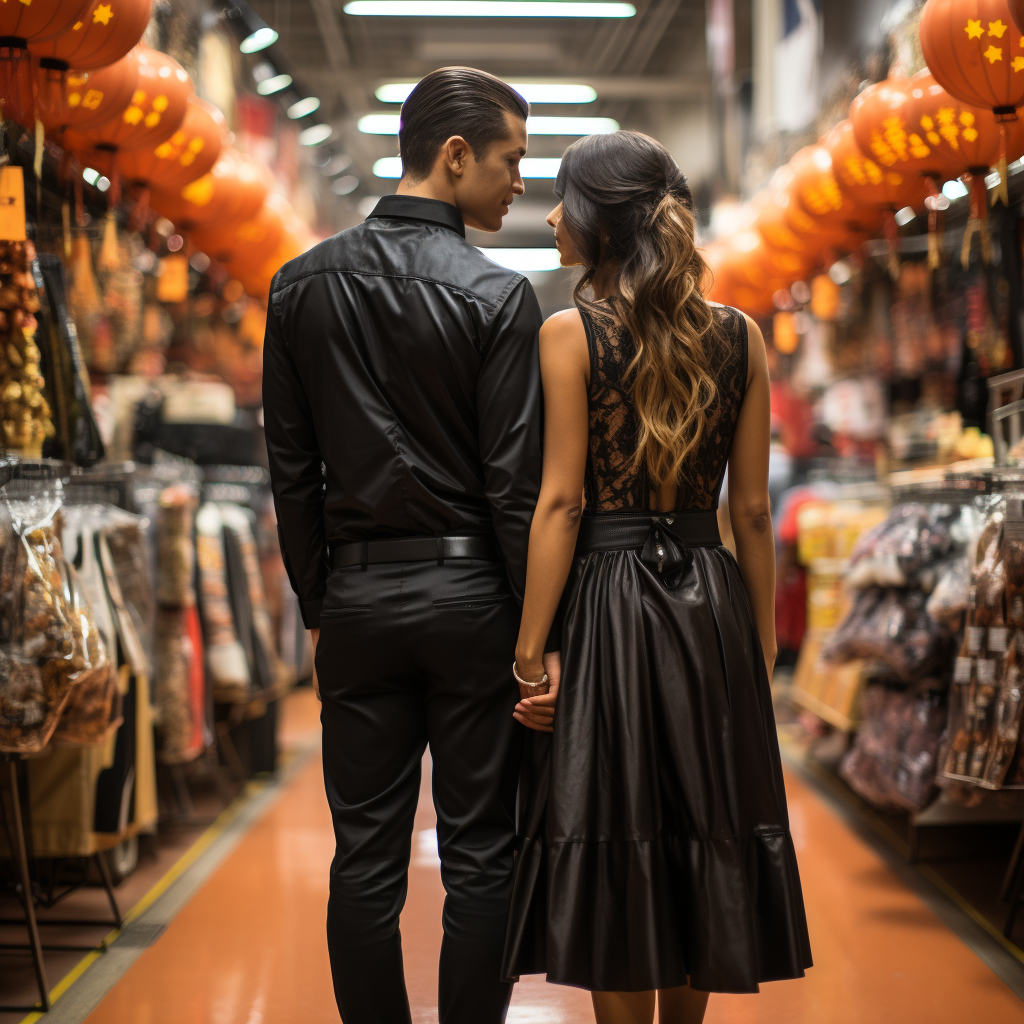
x=303, y=108
x=317, y=134
x=490, y=9
x=525, y=261
x=388, y=124
x=379, y=124
x=529, y=167
x=532, y=92
x=258, y=40
x=271, y=85
x=571, y=125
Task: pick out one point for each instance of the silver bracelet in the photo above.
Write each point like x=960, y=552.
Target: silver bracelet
x=522, y=682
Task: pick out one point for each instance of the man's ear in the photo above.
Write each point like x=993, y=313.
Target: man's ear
x=456, y=154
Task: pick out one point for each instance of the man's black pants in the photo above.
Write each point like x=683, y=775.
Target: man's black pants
x=412, y=654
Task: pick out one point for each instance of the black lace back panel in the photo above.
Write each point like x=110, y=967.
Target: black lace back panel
x=612, y=485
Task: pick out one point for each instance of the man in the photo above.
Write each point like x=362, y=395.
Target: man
x=405, y=361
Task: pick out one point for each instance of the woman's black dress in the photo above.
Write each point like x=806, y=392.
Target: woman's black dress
x=654, y=847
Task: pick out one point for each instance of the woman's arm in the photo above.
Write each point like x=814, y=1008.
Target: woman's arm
x=749, y=504
x=565, y=369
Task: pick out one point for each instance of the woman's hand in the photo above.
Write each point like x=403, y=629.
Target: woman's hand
x=538, y=713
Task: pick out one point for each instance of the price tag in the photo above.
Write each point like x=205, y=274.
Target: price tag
x=172, y=284
x=12, y=204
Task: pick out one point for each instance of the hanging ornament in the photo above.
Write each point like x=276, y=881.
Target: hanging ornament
x=234, y=190
x=244, y=244
x=79, y=100
x=154, y=114
x=975, y=52
x=23, y=23
x=188, y=154
x=819, y=195
x=104, y=33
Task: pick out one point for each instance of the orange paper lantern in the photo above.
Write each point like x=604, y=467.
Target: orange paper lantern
x=234, y=190
x=961, y=137
x=188, y=154
x=820, y=196
x=244, y=245
x=976, y=53
x=105, y=32
x=79, y=100
x=864, y=181
x=38, y=20
x=884, y=124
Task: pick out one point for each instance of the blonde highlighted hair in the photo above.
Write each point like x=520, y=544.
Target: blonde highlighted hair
x=625, y=201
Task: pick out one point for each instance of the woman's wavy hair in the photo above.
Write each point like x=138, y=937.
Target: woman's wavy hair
x=625, y=200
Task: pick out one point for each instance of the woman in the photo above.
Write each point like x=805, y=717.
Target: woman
x=654, y=850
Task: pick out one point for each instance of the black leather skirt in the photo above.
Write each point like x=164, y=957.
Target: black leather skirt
x=653, y=847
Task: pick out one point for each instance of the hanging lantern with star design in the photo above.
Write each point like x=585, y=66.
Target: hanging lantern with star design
x=976, y=52
x=154, y=114
x=78, y=100
x=188, y=154
x=24, y=23
x=104, y=33
x=234, y=190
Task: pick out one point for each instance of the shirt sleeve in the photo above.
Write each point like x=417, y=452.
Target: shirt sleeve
x=509, y=410
x=296, y=474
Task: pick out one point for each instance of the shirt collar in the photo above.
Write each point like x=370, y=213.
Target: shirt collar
x=418, y=208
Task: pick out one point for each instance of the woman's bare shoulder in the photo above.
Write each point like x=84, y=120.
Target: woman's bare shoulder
x=563, y=339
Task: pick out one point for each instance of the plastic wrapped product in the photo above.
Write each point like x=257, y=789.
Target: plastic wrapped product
x=90, y=713
x=892, y=762
x=1006, y=715
x=178, y=691
x=948, y=601
x=890, y=626
x=37, y=639
x=905, y=549
x=176, y=549
x=226, y=663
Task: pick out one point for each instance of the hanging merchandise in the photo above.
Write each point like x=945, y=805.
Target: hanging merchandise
x=76, y=437
x=37, y=641
x=226, y=663
x=103, y=35
x=188, y=154
x=267, y=668
x=24, y=412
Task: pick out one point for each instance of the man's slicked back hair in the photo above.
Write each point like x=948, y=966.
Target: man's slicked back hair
x=454, y=101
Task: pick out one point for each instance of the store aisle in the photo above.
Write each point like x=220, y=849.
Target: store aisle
x=249, y=948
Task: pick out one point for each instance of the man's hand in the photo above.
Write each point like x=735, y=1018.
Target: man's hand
x=538, y=713
x=314, y=635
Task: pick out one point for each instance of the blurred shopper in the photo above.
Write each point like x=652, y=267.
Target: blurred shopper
x=405, y=362
x=655, y=853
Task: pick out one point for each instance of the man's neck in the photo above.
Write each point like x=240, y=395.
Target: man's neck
x=429, y=188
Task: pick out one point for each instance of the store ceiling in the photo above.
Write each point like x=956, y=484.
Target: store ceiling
x=656, y=57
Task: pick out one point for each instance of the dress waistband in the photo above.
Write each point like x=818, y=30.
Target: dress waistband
x=660, y=538
x=614, y=531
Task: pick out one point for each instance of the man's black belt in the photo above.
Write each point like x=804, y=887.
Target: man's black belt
x=415, y=549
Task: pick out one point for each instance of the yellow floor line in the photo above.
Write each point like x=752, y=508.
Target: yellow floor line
x=182, y=864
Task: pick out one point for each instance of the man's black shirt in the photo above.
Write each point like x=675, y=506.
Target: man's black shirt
x=401, y=392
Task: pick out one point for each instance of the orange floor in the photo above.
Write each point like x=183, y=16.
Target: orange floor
x=249, y=948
